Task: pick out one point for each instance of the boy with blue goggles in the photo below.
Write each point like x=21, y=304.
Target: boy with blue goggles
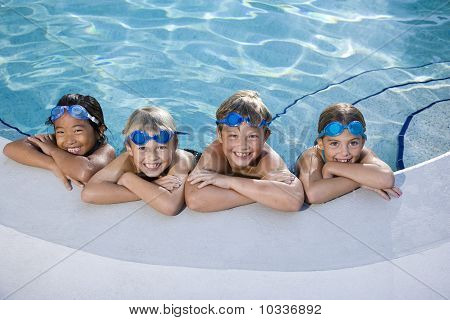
x=76, y=111
x=335, y=128
x=141, y=138
x=234, y=119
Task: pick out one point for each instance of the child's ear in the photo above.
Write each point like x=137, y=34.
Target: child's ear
x=320, y=143
x=267, y=133
x=219, y=135
x=101, y=131
x=130, y=152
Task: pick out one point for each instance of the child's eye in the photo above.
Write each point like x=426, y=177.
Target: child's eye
x=60, y=132
x=334, y=144
x=354, y=143
x=78, y=130
x=254, y=136
x=162, y=148
x=141, y=148
x=233, y=136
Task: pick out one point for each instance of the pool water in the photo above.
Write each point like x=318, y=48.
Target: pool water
x=188, y=56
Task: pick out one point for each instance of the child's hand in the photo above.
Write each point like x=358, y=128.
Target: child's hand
x=284, y=176
x=44, y=142
x=169, y=182
x=206, y=177
x=386, y=194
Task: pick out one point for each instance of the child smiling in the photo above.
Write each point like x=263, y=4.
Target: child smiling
x=339, y=162
x=152, y=168
x=77, y=149
x=239, y=167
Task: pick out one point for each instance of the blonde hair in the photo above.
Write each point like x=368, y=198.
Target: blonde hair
x=248, y=104
x=149, y=119
x=341, y=112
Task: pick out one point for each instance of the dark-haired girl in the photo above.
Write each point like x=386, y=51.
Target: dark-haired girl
x=77, y=149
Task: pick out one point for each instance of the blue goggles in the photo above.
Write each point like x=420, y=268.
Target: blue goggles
x=234, y=119
x=76, y=111
x=141, y=138
x=335, y=128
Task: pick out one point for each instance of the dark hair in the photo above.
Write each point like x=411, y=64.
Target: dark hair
x=92, y=106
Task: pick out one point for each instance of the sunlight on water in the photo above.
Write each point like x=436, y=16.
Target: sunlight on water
x=190, y=56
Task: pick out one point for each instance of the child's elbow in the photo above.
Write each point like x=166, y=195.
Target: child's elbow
x=387, y=181
x=87, y=196
x=7, y=150
x=170, y=210
x=293, y=206
x=313, y=196
x=193, y=201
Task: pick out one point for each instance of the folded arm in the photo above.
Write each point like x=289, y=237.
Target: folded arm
x=102, y=188
x=25, y=152
x=318, y=189
x=212, y=198
x=167, y=202
x=371, y=172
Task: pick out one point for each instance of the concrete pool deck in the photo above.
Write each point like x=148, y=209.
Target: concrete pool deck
x=358, y=246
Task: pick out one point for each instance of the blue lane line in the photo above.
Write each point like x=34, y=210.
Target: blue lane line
x=401, y=136
x=15, y=128
x=349, y=78
x=397, y=86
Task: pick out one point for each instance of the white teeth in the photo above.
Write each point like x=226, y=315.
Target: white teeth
x=345, y=160
x=151, y=165
x=242, y=154
x=73, y=150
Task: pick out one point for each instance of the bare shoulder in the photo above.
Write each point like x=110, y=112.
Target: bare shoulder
x=308, y=154
x=213, y=158
x=368, y=156
x=105, y=150
x=309, y=160
x=270, y=161
x=184, y=163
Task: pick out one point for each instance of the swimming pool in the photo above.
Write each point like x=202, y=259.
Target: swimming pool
x=189, y=56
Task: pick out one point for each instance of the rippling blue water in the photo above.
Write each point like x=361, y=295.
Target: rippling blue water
x=188, y=56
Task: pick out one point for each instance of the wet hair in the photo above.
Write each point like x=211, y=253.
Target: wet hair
x=92, y=106
x=341, y=112
x=150, y=118
x=248, y=104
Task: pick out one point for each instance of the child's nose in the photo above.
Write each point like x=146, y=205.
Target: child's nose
x=344, y=150
x=243, y=141
x=151, y=155
x=69, y=139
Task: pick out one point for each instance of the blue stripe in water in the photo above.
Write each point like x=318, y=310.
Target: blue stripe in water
x=401, y=135
x=349, y=78
x=15, y=128
x=398, y=86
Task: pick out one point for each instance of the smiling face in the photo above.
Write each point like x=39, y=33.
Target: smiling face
x=342, y=148
x=74, y=135
x=242, y=145
x=152, y=159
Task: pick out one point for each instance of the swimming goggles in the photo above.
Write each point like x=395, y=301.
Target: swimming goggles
x=234, y=119
x=75, y=111
x=335, y=128
x=141, y=138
